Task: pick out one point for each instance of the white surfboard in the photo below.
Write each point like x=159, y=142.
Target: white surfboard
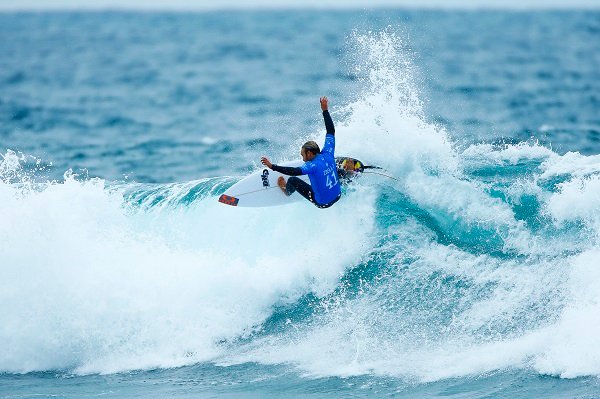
x=261, y=189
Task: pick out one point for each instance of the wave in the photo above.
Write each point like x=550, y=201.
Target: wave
x=471, y=260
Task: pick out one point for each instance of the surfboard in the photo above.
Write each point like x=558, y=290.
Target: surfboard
x=260, y=188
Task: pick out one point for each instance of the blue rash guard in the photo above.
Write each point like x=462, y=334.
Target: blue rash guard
x=322, y=173
x=324, y=187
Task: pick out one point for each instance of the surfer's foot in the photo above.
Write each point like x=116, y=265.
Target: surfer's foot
x=281, y=183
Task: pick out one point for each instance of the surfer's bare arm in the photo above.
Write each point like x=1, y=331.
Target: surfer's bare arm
x=328, y=122
x=286, y=170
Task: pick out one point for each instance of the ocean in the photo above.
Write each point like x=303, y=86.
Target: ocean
x=472, y=270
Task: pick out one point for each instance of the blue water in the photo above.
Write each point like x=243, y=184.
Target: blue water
x=472, y=273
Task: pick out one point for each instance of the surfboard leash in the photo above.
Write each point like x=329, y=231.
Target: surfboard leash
x=383, y=174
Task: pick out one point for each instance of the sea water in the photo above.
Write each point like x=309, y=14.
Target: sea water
x=471, y=270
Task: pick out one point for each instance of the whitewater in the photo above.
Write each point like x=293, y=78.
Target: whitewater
x=476, y=259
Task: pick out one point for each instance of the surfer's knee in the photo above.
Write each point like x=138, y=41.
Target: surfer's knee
x=291, y=185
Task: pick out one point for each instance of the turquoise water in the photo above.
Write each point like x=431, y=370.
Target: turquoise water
x=471, y=274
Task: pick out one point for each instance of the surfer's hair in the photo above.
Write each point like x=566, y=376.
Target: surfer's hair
x=312, y=147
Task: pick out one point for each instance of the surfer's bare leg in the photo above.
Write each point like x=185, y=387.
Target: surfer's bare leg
x=282, y=185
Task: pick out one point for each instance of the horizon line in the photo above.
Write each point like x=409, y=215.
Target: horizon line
x=282, y=7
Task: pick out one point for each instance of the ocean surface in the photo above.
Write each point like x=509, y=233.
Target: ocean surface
x=473, y=273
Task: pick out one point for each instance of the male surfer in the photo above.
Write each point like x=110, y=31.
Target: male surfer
x=324, y=189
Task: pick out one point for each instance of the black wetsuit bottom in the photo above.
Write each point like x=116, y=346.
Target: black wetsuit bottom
x=304, y=189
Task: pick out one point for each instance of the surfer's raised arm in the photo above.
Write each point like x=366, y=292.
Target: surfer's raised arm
x=328, y=122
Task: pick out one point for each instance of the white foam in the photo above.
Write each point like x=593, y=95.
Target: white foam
x=90, y=284
x=571, y=163
x=569, y=347
x=577, y=199
x=510, y=154
x=373, y=334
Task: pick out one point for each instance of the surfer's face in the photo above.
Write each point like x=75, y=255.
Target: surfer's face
x=306, y=155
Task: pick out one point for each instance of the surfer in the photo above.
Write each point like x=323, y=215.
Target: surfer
x=324, y=189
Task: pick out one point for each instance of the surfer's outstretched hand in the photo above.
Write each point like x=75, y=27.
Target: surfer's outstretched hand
x=323, y=103
x=265, y=161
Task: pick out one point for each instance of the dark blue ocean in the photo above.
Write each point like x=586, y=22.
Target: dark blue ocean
x=471, y=270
